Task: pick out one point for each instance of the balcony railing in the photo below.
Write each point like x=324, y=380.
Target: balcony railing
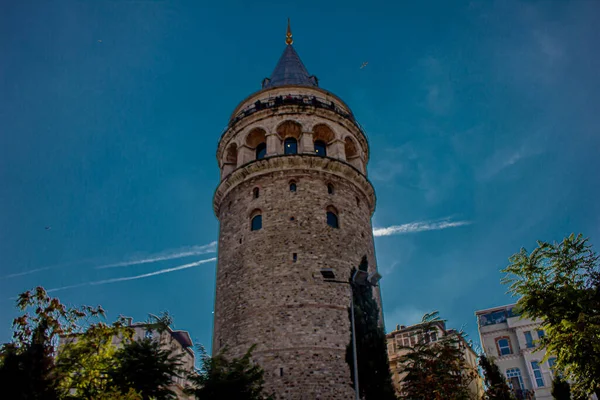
x=292, y=100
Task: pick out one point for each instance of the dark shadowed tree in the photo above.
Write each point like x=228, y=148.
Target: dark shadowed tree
x=223, y=378
x=148, y=368
x=495, y=382
x=435, y=366
x=374, y=378
x=559, y=284
x=561, y=390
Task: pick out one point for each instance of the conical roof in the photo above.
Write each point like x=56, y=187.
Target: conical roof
x=289, y=71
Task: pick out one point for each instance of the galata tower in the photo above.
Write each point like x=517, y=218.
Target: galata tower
x=294, y=199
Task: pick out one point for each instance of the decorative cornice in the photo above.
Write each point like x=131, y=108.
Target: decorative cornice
x=300, y=162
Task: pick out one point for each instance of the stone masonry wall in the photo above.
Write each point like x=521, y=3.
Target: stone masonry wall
x=298, y=322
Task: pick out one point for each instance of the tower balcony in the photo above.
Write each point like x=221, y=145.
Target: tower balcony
x=302, y=103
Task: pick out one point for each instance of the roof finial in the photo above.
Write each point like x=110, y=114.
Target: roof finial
x=288, y=35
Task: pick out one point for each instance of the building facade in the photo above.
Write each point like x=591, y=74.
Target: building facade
x=511, y=341
x=293, y=199
x=408, y=336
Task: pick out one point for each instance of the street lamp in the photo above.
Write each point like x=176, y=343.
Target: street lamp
x=360, y=278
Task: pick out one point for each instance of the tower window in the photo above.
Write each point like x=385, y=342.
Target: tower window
x=261, y=151
x=357, y=202
x=255, y=193
x=292, y=186
x=330, y=188
x=256, y=222
x=295, y=257
x=320, y=148
x=290, y=146
x=332, y=219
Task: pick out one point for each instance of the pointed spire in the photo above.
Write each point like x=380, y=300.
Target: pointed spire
x=289, y=69
x=288, y=35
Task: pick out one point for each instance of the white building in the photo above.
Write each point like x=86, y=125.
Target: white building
x=512, y=343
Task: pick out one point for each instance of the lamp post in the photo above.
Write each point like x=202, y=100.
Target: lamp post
x=360, y=278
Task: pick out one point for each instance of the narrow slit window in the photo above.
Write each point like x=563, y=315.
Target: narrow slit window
x=330, y=188
x=292, y=186
x=295, y=257
x=332, y=219
x=255, y=193
x=256, y=223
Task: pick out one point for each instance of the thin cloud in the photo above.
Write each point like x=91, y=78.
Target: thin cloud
x=169, y=255
x=25, y=273
x=418, y=227
x=162, y=256
x=131, y=278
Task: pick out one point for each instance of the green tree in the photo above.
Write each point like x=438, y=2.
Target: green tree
x=221, y=378
x=559, y=283
x=561, y=390
x=85, y=360
x=27, y=362
x=435, y=368
x=495, y=383
x=374, y=378
x=147, y=367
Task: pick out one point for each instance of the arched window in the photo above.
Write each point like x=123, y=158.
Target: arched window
x=255, y=193
x=329, y=188
x=261, y=150
x=332, y=219
x=292, y=186
x=256, y=222
x=320, y=148
x=503, y=346
x=515, y=380
x=290, y=146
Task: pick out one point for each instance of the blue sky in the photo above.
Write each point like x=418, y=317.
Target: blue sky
x=482, y=119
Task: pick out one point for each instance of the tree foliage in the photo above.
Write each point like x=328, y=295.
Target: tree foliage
x=60, y=352
x=561, y=390
x=495, y=382
x=559, y=284
x=145, y=366
x=374, y=376
x=222, y=378
x=435, y=367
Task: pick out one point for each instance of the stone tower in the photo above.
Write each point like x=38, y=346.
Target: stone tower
x=293, y=198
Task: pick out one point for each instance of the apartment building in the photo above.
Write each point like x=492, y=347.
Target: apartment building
x=512, y=342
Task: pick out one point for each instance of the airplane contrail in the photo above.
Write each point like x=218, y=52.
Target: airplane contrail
x=169, y=255
x=418, y=227
x=130, y=278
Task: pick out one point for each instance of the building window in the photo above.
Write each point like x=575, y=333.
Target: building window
x=433, y=336
x=290, y=146
x=357, y=202
x=261, y=151
x=255, y=193
x=528, y=339
x=515, y=380
x=332, y=219
x=541, y=333
x=295, y=257
x=552, y=363
x=256, y=222
x=320, y=148
x=537, y=373
x=329, y=188
x=292, y=186
x=503, y=345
